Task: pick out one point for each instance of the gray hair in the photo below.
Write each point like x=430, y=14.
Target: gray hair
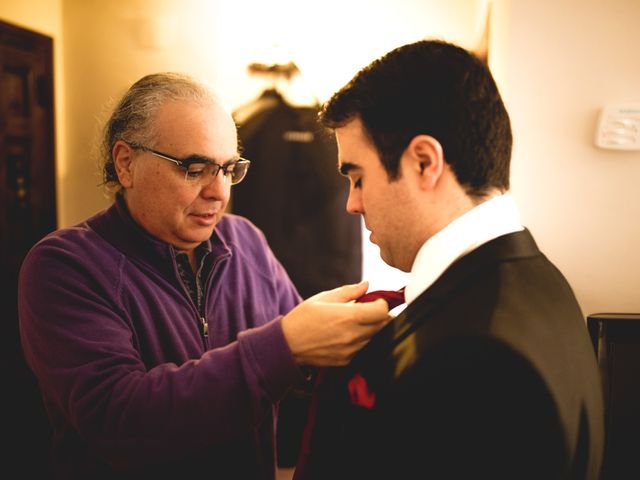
x=132, y=118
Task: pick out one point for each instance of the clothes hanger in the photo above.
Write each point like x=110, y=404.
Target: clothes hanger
x=280, y=85
x=287, y=70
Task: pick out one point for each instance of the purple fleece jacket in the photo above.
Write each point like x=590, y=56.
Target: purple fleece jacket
x=130, y=384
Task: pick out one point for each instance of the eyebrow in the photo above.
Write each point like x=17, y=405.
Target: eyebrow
x=346, y=167
x=195, y=158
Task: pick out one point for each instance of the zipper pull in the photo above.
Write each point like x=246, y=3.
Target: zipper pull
x=205, y=326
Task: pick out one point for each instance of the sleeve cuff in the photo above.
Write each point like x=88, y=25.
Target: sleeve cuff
x=271, y=358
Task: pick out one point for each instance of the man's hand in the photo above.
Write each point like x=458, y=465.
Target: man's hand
x=329, y=328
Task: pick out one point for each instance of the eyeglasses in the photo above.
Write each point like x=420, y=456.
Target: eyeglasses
x=199, y=169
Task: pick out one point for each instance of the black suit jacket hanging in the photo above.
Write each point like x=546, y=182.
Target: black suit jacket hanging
x=295, y=195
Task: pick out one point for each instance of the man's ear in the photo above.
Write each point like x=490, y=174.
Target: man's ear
x=122, y=155
x=425, y=159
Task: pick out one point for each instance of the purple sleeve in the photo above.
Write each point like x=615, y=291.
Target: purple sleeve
x=88, y=354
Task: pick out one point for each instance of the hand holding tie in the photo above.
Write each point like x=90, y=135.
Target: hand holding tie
x=329, y=328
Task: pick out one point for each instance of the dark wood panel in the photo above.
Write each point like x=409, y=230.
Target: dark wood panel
x=27, y=212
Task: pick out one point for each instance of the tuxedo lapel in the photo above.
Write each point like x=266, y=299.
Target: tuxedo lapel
x=394, y=348
x=508, y=247
x=404, y=347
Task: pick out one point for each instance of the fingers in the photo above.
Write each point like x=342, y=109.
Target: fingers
x=372, y=313
x=330, y=328
x=375, y=313
x=345, y=293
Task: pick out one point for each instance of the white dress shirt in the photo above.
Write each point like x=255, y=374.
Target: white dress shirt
x=491, y=219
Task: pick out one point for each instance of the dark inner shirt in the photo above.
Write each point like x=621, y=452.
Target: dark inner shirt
x=195, y=282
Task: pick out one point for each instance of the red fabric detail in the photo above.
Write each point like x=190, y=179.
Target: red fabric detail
x=358, y=389
x=360, y=393
x=393, y=297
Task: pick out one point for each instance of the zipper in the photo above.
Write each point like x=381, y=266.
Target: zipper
x=205, y=294
x=205, y=327
x=201, y=322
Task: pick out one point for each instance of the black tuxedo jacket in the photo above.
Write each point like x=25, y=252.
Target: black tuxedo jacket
x=490, y=373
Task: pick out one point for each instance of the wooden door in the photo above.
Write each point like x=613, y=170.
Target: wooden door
x=27, y=212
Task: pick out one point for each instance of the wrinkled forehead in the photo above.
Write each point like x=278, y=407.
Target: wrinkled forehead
x=189, y=118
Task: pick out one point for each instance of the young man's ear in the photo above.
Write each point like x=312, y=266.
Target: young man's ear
x=122, y=160
x=426, y=160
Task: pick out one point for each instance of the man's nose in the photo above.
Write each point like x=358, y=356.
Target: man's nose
x=354, y=202
x=217, y=185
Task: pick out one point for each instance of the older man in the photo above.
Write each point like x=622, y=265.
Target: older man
x=163, y=332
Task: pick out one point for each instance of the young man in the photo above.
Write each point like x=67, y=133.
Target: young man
x=161, y=330
x=489, y=371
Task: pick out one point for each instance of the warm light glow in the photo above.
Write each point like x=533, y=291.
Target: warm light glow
x=330, y=41
x=108, y=45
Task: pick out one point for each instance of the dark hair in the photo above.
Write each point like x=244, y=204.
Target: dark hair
x=132, y=118
x=435, y=88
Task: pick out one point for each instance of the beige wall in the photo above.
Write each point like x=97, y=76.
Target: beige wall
x=557, y=64
x=45, y=17
x=110, y=44
x=566, y=59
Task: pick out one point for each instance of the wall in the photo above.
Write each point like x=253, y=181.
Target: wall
x=45, y=17
x=557, y=64
x=565, y=60
x=111, y=44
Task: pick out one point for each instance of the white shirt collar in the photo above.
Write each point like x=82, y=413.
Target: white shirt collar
x=491, y=219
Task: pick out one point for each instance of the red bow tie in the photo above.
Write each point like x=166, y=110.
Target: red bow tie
x=393, y=297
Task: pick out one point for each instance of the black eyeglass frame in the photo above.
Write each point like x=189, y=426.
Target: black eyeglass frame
x=196, y=159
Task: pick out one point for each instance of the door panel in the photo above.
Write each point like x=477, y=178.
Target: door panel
x=27, y=212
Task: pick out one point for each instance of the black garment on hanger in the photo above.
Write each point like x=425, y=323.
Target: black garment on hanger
x=293, y=192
